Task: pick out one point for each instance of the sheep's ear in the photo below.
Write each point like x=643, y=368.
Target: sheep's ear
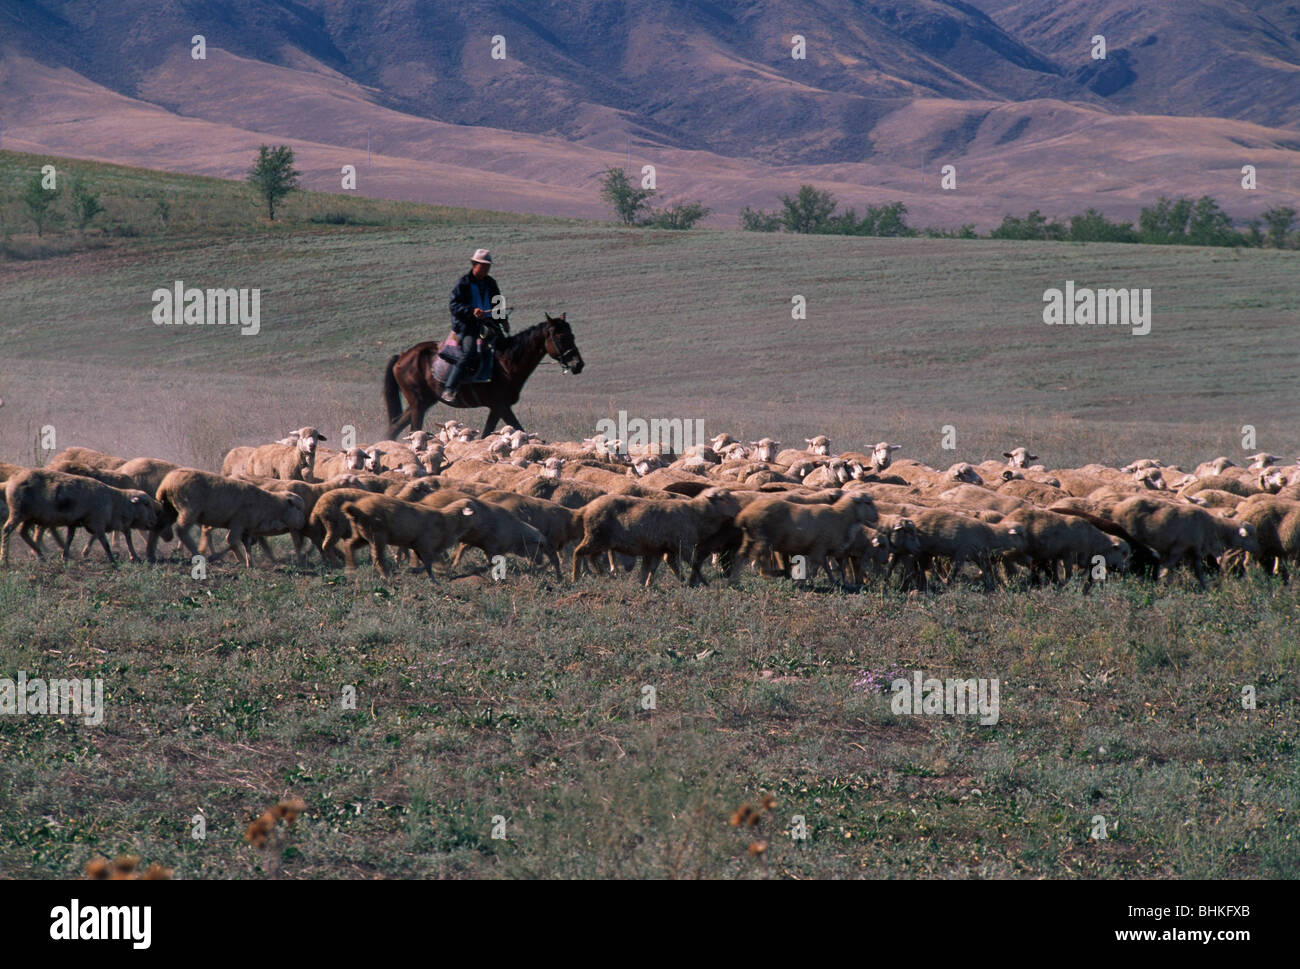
x=1006, y=454
x=1242, y=531
x=137, y=499
x=467, y=510
x=1032, y=457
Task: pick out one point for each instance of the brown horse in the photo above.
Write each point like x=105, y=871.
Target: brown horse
x=410, y=375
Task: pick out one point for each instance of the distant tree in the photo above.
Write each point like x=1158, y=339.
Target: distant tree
x=756, y=220
x=890, y=220
x=809, y=211
x=85, y=204
x=1165, y=222
x=39, y=201
x=1093, y=226
x=1279, y=222
x=1032, y=226
x=631, y=203
x=273, y=175
x=1252, y=236
x=1209, y=225
x=678, y=215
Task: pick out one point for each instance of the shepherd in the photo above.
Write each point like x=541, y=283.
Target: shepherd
x=475, y=300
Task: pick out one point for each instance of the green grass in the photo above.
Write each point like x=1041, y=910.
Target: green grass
x=522, y=699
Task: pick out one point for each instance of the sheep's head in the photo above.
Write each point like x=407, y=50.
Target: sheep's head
x=551, y=467
x=1219, y=465
x=1259, y=462
x=864, y=507
x=967, y=474
x=734, y=451
x=856, y=470
x=1019, y=457
x=765, y=449
x=419, y=441
x=1117, y=556
x=1244, y=538
x=720, y=500
x=374, y=460
x=1272, y=481
x=1151, y=478
x=498, y=449
x=144, y=509
x=800, y=469
x=821, y=444
x=882, y=454
x=903, y=537
x=721, y=441
x=435, y=458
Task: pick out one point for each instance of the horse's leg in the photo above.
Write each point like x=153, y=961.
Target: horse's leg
x=493, y=419
x=416, y=414
x=511, y=419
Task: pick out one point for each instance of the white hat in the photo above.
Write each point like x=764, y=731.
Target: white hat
x=481, y=255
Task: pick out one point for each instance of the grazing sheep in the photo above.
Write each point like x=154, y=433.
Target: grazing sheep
x=380, y=521
x=950, y=535
x=651, y=528
x=1177, y=532
x=783, y=528
x=50, y=499
x=201, y=498
x=496, y=531
x=1276, y=522
x=558, y=525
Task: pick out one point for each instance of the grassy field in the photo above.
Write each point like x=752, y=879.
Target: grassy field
x=523, y=698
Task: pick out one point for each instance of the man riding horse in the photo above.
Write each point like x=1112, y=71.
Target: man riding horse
x=473, y=299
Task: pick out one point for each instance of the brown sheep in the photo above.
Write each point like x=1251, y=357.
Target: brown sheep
x=289, y=462
x=947, y=534
x=1177, y=532
x=496, y=531
x=381, y=521
x=559, y=525
x=1277, y=529
x=1220, y=482
x=327, y=525
x=785, y=528
x=85, y=456
x=38, y=496
x=201, y=498
x=651, y=528
x=236, y=460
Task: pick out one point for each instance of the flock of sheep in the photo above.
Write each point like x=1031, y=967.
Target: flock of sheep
x=730, y=505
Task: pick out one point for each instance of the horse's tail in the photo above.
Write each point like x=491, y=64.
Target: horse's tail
x=392, y=393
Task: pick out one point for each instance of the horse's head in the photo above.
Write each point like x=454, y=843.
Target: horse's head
x=560, y=344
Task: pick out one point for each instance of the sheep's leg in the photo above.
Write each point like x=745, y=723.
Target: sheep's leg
x=205, y=540
x=67, y=546
x=235, y=543
x=1198, y=565
x=131, y=548
x=554, y=558
x=649, y=563
x=265, y=547
x=183, y=533
x=350, y=551
x=378, y=548
x=6, y=534
x=103, y=540
x=673, y=559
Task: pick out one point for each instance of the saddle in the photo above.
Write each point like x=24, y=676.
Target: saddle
x=449, y=353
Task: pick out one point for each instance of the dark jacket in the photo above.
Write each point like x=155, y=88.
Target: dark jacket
x=462, y=300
